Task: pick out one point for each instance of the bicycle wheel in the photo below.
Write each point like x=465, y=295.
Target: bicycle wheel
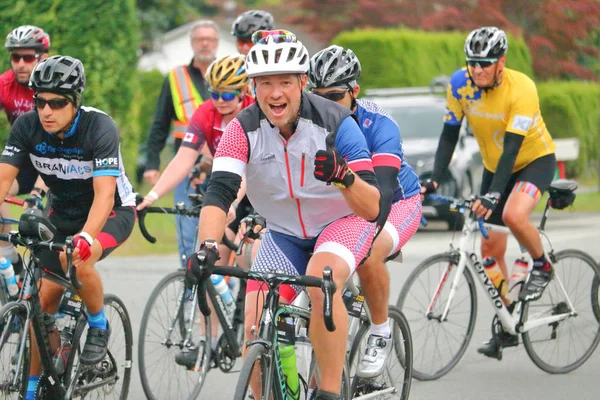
x=595, y=299
x=257, y=363
x=15, y=345
x=438, y=345
x=161, y=339
x=565, y=345
x=111, y=377
x=394, y=382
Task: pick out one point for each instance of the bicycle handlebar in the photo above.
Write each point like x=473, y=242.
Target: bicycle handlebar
x=461, y=206
x=326, y=284
x=68, y=246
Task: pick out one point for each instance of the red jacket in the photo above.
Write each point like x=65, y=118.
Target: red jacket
x=15, y=98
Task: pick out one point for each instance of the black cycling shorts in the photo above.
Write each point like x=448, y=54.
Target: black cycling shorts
x=116, y=230
x=26, y=178
x=539, y=172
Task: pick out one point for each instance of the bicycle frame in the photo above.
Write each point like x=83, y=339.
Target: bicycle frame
x=467, y=257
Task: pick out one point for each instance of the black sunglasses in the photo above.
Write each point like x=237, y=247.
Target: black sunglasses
x=55, y=104
x=28, y=58
x=333, y=96
x=483, y=63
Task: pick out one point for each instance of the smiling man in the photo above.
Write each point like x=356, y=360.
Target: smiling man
x=309, y=173
x=75, y=150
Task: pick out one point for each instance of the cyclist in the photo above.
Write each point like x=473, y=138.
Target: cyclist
x=75, y=149
x=184, y=89
x=27, y=45
x=229, y=90
x=246, y=24
x=502, y=107
x=290, y=144
x=333, y=74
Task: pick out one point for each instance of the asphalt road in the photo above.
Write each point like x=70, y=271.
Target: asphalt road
x=475, y=377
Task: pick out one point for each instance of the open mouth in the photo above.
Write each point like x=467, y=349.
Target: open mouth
x=278, y=109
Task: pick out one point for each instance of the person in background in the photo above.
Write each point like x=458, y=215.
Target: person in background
x=246, y=24
x=183, y=91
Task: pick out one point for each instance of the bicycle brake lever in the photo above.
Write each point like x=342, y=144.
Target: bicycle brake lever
x=328, y=288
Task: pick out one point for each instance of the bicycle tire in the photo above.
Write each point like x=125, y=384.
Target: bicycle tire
x=416, y=314
x=595, y=299
x=118, y=359
x=11, y=333
x=561, y=329
x=184, y=382
x=402, y=350
x=256, y=352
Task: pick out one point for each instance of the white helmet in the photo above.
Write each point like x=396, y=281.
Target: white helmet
x=273, y=58
x=486, y=42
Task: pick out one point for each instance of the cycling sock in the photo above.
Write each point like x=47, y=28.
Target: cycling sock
x=213, y=343
x=382, y=330
x=31, y=387
x=541, y=263
x=97, y=320
x=323, y=395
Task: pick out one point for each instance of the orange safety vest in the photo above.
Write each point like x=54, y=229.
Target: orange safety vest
x=186, y=99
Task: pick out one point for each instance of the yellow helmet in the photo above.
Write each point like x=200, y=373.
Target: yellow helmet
x=228, y=73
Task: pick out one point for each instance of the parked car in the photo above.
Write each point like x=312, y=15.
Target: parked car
x=419, y=113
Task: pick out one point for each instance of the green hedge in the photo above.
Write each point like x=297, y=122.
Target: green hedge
x=571, y=109
x=104, y=36
x=403, y=58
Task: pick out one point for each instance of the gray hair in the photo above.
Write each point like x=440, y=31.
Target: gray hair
x=205, y=23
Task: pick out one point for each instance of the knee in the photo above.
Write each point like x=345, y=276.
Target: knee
x=514, y=218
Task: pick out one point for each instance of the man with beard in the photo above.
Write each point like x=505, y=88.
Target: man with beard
x=182, y=93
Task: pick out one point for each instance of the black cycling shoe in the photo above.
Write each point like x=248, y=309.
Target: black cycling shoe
x=536, y=282
x=96, y=345
x=188, y=357
x=493, y=347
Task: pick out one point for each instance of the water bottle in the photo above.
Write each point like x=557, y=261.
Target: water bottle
x=6, y=269
x=287, y=355
x=494, y=272
x=517, y=277
x=66, y=337
x=188, y=305
x=303, y=353
x=223, y=289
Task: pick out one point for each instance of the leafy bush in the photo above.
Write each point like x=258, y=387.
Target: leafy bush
x=404, y=58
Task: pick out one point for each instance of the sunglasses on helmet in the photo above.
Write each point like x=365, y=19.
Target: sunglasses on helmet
x=28, y=58
x=55, y=104
x=275, y=36
x=226, y=96
x=481, y=62
x=333, y=95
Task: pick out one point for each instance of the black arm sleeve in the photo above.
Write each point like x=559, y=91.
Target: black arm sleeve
x=512, y=145
x=387, y=178
x=371, y=179
x=443, y=155
x=159, y=130
x=222, y=189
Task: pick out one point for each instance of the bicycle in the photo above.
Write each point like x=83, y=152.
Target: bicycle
x=63, y=376
x=447, y=281
x=165, y=324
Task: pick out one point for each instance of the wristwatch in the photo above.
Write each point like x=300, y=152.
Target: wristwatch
x=348, y=180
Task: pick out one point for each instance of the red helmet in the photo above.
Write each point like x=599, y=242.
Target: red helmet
x=28, y=37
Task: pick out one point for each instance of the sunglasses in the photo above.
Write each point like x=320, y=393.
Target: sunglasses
x=244, y=41
x=333, y=96
x=275, y=36
x=55, y=104
x=28, y=58
x=483, y=63
x=226, y=96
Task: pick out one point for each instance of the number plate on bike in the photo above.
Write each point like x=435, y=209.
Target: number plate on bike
x=286, y=331
x=354, y=303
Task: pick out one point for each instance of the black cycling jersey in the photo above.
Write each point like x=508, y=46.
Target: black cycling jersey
x=68, y=166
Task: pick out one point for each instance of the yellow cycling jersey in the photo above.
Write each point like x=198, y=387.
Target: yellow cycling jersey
x=512, y=106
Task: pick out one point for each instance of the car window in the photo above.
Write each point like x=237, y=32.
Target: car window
x=418, y=122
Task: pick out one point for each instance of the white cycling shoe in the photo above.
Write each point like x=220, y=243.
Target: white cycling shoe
x=373, y=360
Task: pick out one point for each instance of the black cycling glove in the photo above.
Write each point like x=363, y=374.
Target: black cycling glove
x=330, y=167
x=490, y=200
x=429, y=186
x=200, y=262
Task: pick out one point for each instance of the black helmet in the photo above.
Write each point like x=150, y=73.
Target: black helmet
x=28, y=37
x=251, y=21
x=333, y=66
x=58, y=74
x=486, y=42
